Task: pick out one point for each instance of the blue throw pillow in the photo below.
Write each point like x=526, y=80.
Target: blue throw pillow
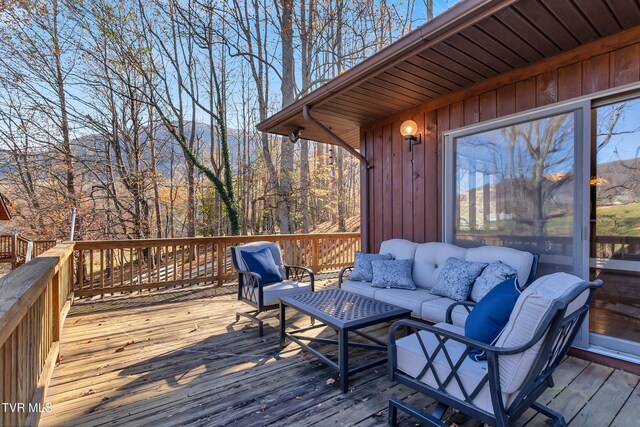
x=489, y=317
x=262, y=262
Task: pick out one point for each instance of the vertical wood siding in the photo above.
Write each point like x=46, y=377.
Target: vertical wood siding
x=405, y=191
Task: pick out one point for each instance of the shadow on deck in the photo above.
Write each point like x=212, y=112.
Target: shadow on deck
x=178, y=358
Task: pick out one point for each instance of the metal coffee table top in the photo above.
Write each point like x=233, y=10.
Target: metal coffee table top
x=344, y=310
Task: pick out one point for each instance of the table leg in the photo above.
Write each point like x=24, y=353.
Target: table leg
x=282, y=325
x=343, y=359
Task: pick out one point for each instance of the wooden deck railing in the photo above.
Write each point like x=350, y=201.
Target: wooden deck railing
x=128, y=265
x=617, y=247
x=41, y=246
x=8, y=246
x=34, y=300
x=17, y=250
x=614, y=247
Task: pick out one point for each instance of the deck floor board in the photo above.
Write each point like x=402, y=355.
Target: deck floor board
x=178, y=357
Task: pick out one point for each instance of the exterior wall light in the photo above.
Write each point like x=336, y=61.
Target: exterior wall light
x=409, y=130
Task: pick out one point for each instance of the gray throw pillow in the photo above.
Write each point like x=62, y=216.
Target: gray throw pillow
x=394, y=273
x=494, y=274
x=362, y=270
x=456, y=278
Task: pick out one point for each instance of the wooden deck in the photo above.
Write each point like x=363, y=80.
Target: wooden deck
x=178, y=358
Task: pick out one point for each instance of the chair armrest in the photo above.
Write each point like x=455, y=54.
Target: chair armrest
x=466, y=304
x=469, y=342
x=341, y=275
x=250, y=278
x=297, y=273
x=443, y=333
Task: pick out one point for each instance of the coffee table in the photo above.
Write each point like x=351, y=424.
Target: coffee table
x=344, y=312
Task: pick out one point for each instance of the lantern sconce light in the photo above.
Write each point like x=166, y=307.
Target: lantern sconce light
x=409, y=130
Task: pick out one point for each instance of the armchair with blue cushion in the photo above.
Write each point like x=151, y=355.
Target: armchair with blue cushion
x=263, y=278
x=441, y=360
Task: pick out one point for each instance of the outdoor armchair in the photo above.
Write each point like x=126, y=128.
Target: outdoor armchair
x=261, y=296
x=434, y=360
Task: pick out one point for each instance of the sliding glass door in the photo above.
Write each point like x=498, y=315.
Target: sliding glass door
x=563, y=182
x=520, y=183
x=615, y=224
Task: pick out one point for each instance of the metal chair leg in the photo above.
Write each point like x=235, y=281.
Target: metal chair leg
x=556, y=417
x=393, y=412
x=253, y=317
x=424, y=417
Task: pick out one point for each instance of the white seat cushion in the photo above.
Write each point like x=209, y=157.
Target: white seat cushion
x=272, y=293
x=435, y=311
x=429, y=260
x=398, y=248
x=411, y=360
x=411, y=300
x=360, y=288
x=520, y=260
x=531, y=309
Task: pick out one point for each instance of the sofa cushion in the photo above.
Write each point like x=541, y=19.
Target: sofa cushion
x=429, y=259
x=261, y=262
x=398, y=248
x=360, y=288
x=493, y=274
x=273, y=293
x=456, y=278
x=411, y=300
x=362, y=269
x=393, y=273
x=519, y=260
x=435, y=311
x=411, y=360
x=491, y=314
x=531, y=309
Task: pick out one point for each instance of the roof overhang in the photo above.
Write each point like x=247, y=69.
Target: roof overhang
x=471, y=42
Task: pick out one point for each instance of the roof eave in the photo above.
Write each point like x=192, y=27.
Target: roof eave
x=465, y=13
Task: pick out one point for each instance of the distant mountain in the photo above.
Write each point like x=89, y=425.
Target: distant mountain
x=619, y=182
x=90, y=148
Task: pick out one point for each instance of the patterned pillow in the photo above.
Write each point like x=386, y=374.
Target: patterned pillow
x=494, y=274
x=394, y=273
x=456, y=278
x=362, y=270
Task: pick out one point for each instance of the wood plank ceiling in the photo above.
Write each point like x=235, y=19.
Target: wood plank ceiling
x=513, y=34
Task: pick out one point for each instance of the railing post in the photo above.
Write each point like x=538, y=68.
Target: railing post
x=55, y=306
x=14, y=251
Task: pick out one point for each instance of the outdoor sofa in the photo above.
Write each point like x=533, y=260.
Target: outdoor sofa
x=428, y=262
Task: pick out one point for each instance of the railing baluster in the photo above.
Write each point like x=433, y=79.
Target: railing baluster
x=102, y=266
x=131, y=265
x=175, y=263
x=220, y=259
x=91, y=269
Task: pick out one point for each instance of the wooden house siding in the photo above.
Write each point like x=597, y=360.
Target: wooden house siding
x=405, y=191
